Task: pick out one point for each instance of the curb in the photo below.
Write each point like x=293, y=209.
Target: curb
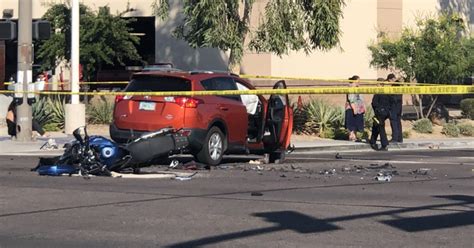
x=402, y=146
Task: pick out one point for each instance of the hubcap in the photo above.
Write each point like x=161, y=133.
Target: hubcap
x=215, y=146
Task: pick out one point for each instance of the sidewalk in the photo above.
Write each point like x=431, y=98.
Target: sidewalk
x=15, y=148
x=408, y=144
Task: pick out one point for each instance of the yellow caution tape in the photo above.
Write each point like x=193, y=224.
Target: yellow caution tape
x=81, y=83
x=421, y=90
x=248, y=76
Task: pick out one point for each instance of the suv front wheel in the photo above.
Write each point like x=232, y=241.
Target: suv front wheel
x=213, y=149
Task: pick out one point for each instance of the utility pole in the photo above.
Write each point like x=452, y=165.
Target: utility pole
x=75, y=51
x=75, y=112
x=24, y=74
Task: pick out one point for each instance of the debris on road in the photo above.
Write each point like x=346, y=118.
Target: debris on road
x=327, y=172
x=184, y=178
x=421, y=171
x=338, y=156
x=383, y=177
x=255, y=162
x=256, y=194
x=49, y=145
x=384, y=166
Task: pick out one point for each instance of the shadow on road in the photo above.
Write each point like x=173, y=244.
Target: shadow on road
x=301, y=223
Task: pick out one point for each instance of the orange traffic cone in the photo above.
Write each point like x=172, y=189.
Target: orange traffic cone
x=300, y=103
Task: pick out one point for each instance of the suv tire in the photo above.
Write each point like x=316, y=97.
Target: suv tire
x=213, y=149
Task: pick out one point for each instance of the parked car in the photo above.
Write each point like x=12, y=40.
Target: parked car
x=215, y=125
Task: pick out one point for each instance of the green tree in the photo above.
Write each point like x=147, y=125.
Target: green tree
x=436, y=51
x=288, y=25
x=104, y=39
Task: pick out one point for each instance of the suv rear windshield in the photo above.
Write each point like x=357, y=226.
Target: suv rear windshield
x=156, y=83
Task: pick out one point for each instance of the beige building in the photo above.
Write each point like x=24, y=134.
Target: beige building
x=361, y=22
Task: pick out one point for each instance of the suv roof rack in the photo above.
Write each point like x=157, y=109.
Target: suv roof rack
x=212, y=72
x=168, y=67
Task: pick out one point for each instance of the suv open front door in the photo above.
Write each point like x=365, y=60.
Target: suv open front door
x=279, y=124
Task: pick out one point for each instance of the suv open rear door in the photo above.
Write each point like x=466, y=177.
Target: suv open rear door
x=279, y=124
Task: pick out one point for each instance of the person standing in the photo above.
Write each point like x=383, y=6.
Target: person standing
x=355, y=109
x=381, y=105
x=396, y=114
x=11, y=122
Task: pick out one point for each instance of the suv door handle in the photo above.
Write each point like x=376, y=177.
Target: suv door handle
x=223, y=108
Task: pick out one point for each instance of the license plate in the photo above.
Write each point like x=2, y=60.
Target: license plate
x=149, y=106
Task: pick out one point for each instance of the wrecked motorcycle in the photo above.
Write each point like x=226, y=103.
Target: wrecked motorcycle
x=96, y=155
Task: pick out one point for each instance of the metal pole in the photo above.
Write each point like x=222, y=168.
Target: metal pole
x=24, y=74
x=75, y=112
x=75, y=51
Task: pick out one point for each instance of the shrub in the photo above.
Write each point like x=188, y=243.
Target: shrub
x=368, y=117
x=341, y=134
x=320, y=116
x=100, y=113
x=41, y=111
x=49, y=112
x=466, y=129
x=467, y=107
x=328, y=133
x=451, y=130
x=55, y=106
x=51, y=127
x=406, y=134
x=362, y=135
x=299, y=120
x=423, y=126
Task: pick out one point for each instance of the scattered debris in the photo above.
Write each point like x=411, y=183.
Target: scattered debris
x=346, y=169
x=421, y=171
x=282, y=175
x=224, y=167
x=255, y=162
x=184, y=178
x=256, y=194
x=338, y=156
x=384, y=166
x=154, y=175
x=49, y=145
x=328, y=172
x=383, y=178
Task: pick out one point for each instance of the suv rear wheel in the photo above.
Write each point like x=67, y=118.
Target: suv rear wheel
x=213, y=149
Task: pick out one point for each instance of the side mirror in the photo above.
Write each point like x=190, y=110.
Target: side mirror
x=81, y=134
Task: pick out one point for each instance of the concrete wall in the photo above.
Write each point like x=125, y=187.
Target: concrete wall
x=359, y=28
x=414, y=10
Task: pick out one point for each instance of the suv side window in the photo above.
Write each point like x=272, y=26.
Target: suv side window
x=221, y=83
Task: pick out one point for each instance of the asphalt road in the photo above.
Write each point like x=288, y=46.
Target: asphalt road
x=313, y=200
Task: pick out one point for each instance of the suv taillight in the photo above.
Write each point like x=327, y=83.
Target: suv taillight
x=119, y=98
x=187, y=102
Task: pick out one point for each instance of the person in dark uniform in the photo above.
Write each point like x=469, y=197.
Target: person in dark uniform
x=396, y=114
x=381, y=104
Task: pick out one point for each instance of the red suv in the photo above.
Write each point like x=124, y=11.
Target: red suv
x=214, y=125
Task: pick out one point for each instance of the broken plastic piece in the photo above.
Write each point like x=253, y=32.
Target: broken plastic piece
x=174, y=164
x=49, y=145
x=383, y=178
